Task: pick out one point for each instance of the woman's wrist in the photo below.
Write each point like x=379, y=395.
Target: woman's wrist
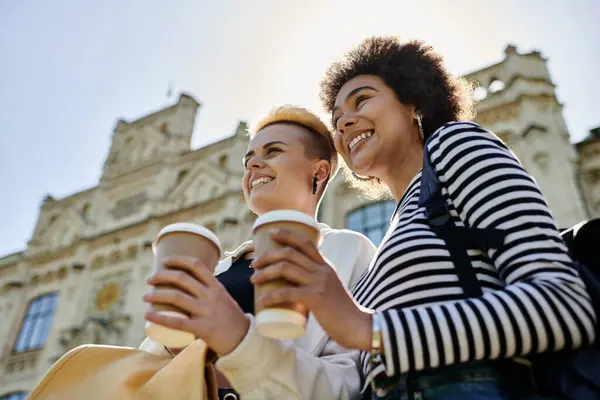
x=237, y=336
x=365, y=331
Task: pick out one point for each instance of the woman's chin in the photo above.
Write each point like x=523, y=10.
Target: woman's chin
x=262, y=202
x=360, y=165
x=364, y=155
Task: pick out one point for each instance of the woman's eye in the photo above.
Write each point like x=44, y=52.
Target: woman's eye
x=272, y=150
x=360, y=100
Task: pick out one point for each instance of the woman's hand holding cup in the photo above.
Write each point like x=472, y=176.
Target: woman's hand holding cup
x=187, y=302
x=314, y=283
x=187, y=284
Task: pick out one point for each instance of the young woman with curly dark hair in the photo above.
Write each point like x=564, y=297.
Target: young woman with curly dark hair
x=421, y=336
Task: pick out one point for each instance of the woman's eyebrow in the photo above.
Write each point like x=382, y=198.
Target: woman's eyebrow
x=265, y=146
x=352, y=93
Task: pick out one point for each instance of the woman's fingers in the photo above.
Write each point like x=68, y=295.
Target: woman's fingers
x=297, y=241
x=180, y=279
x=285, y=295
x=181, y=324
x=291, y=272
x=284, y=254
x=193, y=266
x=177, y=298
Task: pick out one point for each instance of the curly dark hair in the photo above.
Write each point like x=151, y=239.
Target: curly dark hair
x=413, y=70
x=416, y=74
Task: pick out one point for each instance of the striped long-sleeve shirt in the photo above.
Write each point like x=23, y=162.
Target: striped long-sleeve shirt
x=533, y=301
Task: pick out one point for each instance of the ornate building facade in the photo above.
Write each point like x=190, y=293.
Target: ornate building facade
x=80, y=278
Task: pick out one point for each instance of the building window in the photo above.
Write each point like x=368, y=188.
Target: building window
x=496, y=86
x=479, y=93
x=98, y=261
x=181, y=175
x=223, y=161
x=14, y=396
x=36, y=324
x=372, y=220
x=85, y=210
x=131, y=252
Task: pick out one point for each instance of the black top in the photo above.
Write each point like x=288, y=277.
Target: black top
x=237, y=282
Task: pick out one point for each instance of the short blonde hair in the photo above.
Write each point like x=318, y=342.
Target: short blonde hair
x=320, y=142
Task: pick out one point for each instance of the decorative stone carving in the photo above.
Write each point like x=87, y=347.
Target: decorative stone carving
x=35, y=279
x=132, y=252
x=95, y=330
x=21, y=363
x=129, y=205
x=98, y=262
x=542, y=159
x=105, y=322
x=108, y=293
x=62, y=273
x=107, y=296
x=115, y=257
x=78, y=267
x=147, y=246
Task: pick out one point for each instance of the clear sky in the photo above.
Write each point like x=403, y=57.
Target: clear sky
x=70, y=68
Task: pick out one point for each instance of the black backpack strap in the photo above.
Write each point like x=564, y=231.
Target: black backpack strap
x=444, y=227
x=458, y=239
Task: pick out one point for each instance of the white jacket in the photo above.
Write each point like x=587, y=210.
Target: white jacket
x=312, y=366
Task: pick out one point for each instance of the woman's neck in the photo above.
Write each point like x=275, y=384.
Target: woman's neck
x=308, y=209
x=403, y=172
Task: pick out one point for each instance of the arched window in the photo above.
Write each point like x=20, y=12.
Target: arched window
x=479, y=93
x=223, y=161
x=496, y=86
x=14, y=396
x=372, y=220
x=181, y=175
x=36, y=324
x=85, y=210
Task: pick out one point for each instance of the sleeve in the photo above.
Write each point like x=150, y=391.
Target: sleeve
x=149, y=346
x=544, y=305
x=262, y=368
x=365, y=253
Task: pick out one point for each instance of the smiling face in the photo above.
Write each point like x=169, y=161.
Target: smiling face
x=375, y=132
x=278, y=173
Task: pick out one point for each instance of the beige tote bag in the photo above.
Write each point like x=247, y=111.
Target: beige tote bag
x=93, y=372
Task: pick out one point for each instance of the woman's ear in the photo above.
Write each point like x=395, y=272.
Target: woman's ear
x=413, y=111
x=322, y=170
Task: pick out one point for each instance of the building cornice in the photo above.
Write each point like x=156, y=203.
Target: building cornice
x=103, y=238
x=533, y=54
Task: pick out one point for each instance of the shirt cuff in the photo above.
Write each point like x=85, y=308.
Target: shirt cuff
x=149, y=346
x=394, y=342
x=250, y=360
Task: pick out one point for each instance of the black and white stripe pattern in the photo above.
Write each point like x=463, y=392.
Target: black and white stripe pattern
x=533, y=298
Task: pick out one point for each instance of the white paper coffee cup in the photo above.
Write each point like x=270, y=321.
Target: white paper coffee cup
x=180, y=239
x=287, y=320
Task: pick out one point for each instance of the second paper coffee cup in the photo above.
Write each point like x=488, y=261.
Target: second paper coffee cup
x=287, y=320
x=180, y=239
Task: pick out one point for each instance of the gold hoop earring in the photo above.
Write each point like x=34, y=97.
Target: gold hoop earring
x=420, y=124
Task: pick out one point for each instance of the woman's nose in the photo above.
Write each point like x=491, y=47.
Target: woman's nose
x=255, y=162
x=345, y=123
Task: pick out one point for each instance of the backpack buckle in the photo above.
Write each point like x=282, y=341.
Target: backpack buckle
x=439, y=220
